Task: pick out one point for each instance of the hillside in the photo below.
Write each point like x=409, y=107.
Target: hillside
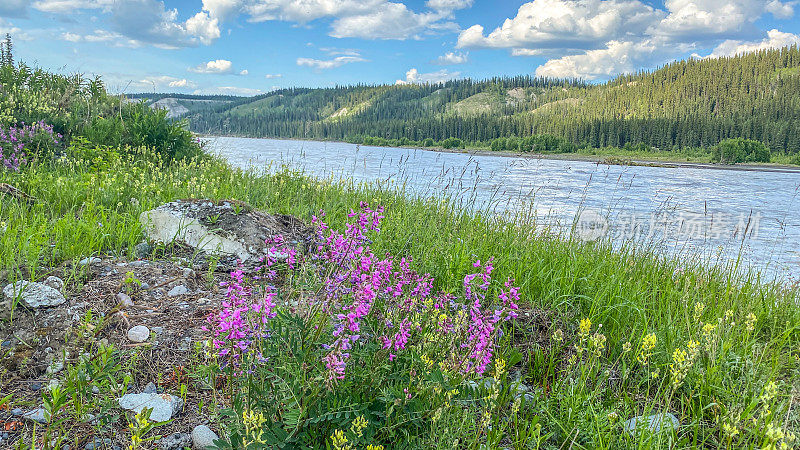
x=691, y=103
x=178, y=105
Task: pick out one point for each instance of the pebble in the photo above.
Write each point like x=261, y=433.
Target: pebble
x=178, y=290
x=150, y=389
x=158, y=330
x=56, y=366
x=138, y=263
x=124, y=299
x=89, y=261
x=143, y=250
x=175, y=441
x=34, y=295
x=188, y=273
x=98, y=444
x=144, y=286
x=36, y=415
x=164, y=405
x=17, y=412
x=36, y=386
x=203, y=438
x=139, y=333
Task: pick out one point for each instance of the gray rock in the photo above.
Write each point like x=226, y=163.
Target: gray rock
x=158, y=330
x=203, y=438
x=178, y=290
x=150, y=389
x=95, y=390
x=144, y=286
x=139, y=333
x=54, y=282
x=90, y=261
x=164, y=405
x=654, y=423
x=34, y=295
x=188, y=273
x=36, y=415
x=175, y=441
x=56, y=366
x=124, y=300
x=17, y=412
x=143, y=250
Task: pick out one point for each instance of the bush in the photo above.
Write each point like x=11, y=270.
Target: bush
x=376, y=351
x=452, y=143
x=498, y=144
x=18, y=145
x=732, y=151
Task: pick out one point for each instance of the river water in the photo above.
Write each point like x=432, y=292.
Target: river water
x=718, y=215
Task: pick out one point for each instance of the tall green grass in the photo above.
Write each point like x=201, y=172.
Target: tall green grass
x=91, y=206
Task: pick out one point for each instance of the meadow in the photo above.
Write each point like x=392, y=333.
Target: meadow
x=419, y=325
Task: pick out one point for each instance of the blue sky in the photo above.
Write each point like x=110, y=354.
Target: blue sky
x=247, y=47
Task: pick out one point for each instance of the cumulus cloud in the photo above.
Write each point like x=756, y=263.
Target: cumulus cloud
x=271, y=76
x=386, y=21
x=244, y=72
x=703, y=19
x=322, y=64
x=230, y=90
x=70, y=6
x=413, y=76
x=617, y=57
x=216, y=66
x=157, y=83
x=8, y=27
x=448, y=5
x=452, y=58
x=774, y=39
x=560, y=24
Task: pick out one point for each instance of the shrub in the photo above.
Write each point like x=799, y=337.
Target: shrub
x=452, y=142
x=19, y=144
x=498, y=144
x=368, y=341
x=732, y=151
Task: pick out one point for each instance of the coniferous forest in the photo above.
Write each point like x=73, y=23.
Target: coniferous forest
x=690, y=103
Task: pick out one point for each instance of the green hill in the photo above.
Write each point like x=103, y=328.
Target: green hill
x=691, y=103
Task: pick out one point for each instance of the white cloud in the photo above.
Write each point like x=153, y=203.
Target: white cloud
x=448, y=5
x=781, y=10
x=452, y=58
x=8, y=27
x=157, y=83
x=244, y=72
x=114, y=39
x=222, y=9
x=14, y=8
x=230, y=90
x=704, y=19
x=203, y=27
x=271, y=76
x=69, y=6
x=386, y=21
x=774, y=39
x=414, y=77
x=330, y=63
x=216, y=66
x=565, y=24
x=618, y=57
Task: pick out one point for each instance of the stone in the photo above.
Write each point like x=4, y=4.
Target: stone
x=90, y=261
x=178, y=290
x=143, y=250
x=175, y=441
x=150, y=389
x=188, y=273
x=203, y=438
x=33, y=295
x=17, y=412
x=124, y=300
x=36, y=415
x=54, y=282
x=225, y=229
x=164, y=405
x=56, y=366
x=654, y=423
x=35, y=386
x=144, y=286
x=139, y=333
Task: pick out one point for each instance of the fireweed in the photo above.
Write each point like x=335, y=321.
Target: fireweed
x=17, y=144
x=355, y=302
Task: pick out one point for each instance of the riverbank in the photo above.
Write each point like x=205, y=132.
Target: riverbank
x=593, y=322
x=620, y=157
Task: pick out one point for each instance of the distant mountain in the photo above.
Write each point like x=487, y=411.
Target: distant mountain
x=179, y=105
x=689, y=103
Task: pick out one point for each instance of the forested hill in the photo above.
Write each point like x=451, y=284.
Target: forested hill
x=692, y=103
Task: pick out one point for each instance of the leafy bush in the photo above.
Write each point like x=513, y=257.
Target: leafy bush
x=732, y=151
x=368, y=341
x=452, y=143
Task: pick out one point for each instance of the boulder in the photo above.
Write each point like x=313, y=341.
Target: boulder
x=164, y=406
x=54, y=282
x=226, y=229
x=203, y=438
x=33, y=295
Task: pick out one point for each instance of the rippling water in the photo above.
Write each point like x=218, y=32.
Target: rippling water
x=715, y=214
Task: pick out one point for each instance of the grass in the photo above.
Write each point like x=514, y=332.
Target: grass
x=584, y=387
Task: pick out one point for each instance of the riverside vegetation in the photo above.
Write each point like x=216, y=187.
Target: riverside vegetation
x=405, y=323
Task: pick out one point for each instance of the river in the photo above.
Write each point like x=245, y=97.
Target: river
x=715, y=214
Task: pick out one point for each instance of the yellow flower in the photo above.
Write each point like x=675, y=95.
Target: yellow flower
x=585, y=327
x=558, y=335
x=646, y=350
x=358, y=426
x=699, y=307
x=339, y=440
x=750, y=321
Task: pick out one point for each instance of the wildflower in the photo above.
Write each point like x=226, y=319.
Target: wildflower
x=626, y=347
x=558, y=335
x=358, y=426
x=584, y=327
x=730, y=430
x=682, y=361
x=499, y=368
x=708, y=338
x=339, y=441
x=646, y=350
x=750, y=322
x=597, y=342
x=613, y=416
x=374, y=447
x=699, y=307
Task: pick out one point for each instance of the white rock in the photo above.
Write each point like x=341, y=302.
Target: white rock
x=164, y=405
x=36, y=415
x=34, y=295
x=139, y=333
x=54, y=282
x=203, y=438
x=165, y=226
x=178, y=290
x=89, y=261
x=124, y=300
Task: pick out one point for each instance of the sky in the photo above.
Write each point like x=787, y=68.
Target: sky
x=249, y=47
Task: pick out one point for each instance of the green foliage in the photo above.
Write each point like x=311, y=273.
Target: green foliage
x=732, y=151
x=686, y=104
